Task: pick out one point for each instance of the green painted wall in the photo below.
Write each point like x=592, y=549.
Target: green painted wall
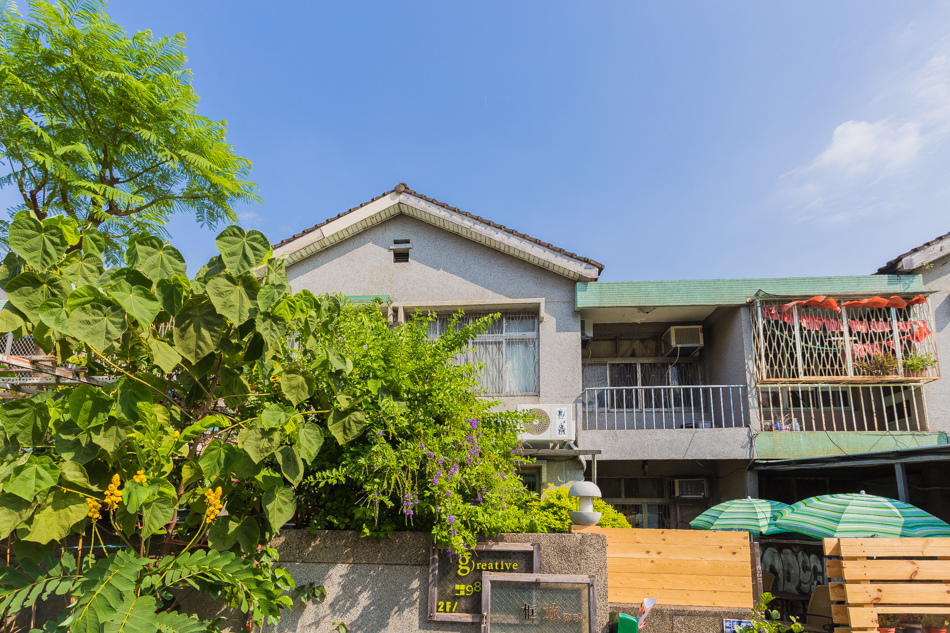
x=799, y=444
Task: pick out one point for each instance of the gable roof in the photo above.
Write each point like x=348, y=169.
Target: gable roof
x=403, y=200
x=917, y=257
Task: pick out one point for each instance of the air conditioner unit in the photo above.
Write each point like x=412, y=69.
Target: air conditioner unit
x=550, y=423
x=690, y=488
x=683, y=340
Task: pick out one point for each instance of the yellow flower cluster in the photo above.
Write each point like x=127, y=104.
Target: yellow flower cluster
x=113, y=494
x=213, y=500
x=176, y=435
x=93, y=512
x=140, y=477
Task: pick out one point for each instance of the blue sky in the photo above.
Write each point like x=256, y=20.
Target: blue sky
x=663, y=139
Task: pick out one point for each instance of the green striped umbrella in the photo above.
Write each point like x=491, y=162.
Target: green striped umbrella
x=859, y=515
x=748, y=515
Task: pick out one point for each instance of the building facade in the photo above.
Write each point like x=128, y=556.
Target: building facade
x=682, y=394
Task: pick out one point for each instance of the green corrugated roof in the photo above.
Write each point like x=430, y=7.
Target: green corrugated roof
x=368, y=298
x=717, y=292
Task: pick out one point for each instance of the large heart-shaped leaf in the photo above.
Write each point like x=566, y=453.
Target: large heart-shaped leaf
x=198, y=329
x=259, y=443
x=13, y=511
x=88, y=406
x=109, y=435
x=156, y=515
x=276, y=415
x=156, y=258
x=10, y=268
x=242, y=251
x=290, y=464
x=309, y=440
x=346, y=426
x=137, y=301
x=93, y=242
x=164, y=355
x=74, y=444
x=83, y=295
x=129, y=394
x=27, y=291
x=27, y=420
x=279, y=506
x=41, y=244
x=296, y=385
x=234, y=299
x=98, y=324
x=31, y=478
x=172, y=292
x=82, y=269
x=12, y=319
x=69, y=226
x=58, y=515
x=217, y=458
x=136, y=495
x=228, y=530
x=53, y=314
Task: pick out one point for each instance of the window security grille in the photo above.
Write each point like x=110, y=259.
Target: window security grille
x=508, y=352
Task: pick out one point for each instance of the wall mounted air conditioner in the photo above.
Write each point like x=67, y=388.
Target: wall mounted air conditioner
x=550, y=423
x=690, y=488
x=683, y=340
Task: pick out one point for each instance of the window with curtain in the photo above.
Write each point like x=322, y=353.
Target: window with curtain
x=507, y=351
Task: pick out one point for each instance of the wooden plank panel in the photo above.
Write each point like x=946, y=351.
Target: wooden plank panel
x=674, y=566
x=692, y=552
x=904, y=547
x=830, y=546
x=676, y=537
x=883, y=569
x=867, y=616
x=679, y=581
x=692, y=598
x=899, y=593
x=836, y=591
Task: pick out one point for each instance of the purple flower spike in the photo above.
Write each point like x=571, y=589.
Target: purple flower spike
x=451, y=519
x=474, y=424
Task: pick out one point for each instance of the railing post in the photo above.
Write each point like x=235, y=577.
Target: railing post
x=897, y=342
x=798, y=342
x=846, y=330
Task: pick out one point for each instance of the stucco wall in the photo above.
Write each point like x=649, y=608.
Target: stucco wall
x=730, y=355
x=937, y=393
x=444, y=268
x=383, y=585
x=671, y=444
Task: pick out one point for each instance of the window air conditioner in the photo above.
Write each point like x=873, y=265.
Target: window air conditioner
x=550, y=423
x=689, y=488
x=683, y=340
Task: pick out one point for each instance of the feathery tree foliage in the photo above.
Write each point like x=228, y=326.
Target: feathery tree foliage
x=102, y=128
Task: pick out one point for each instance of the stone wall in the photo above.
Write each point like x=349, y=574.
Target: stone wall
x=382, y=585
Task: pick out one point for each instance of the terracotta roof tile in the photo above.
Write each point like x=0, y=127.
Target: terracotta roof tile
x=891, y=267
x=403, y=188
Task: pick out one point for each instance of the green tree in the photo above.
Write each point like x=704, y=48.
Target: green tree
x=182, y=397
x=411, y=442
x=101, y=128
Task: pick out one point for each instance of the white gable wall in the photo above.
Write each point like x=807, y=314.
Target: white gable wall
x=446, y=269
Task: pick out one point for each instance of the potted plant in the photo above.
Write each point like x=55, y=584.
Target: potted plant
x=910, y=623
x=887, y=622
x=877, y=365
x=916, y=365
x=935, y=623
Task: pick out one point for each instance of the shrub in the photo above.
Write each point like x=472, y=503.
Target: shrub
x=551, y=512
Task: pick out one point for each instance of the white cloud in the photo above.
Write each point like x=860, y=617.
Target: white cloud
x=892, y=162
x=250, y=219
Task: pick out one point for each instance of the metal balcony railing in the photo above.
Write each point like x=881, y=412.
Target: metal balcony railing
x=637, y=408
x=837, y=407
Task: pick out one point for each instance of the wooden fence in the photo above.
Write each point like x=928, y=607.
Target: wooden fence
x=678, y=567
x=887, y=575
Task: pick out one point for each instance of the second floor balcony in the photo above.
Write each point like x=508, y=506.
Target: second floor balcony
x=863, y=340
x=665, y=407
